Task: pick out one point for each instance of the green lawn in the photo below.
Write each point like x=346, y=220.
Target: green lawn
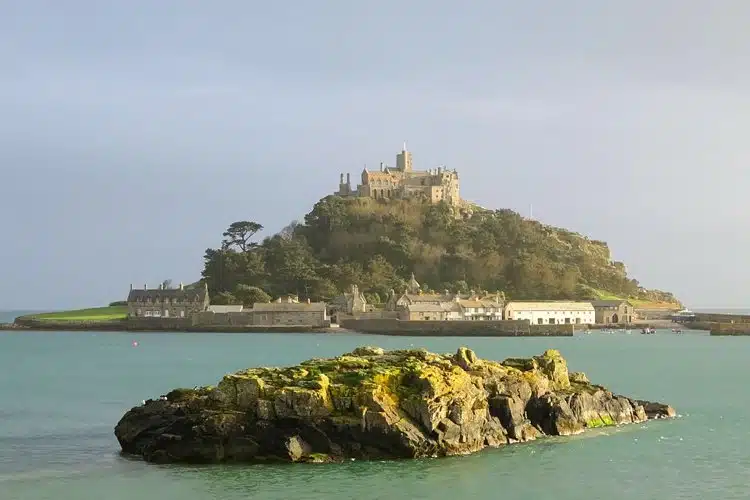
x=110, y=313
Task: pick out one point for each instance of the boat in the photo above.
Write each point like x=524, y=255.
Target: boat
x=683, y=316
x=648, y=331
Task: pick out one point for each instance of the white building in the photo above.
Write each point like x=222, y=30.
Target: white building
x=551, y=313
x=225, y=308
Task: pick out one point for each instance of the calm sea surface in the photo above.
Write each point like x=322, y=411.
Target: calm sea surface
x=62, y=393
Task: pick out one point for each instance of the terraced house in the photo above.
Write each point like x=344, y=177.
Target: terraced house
x=163, y=302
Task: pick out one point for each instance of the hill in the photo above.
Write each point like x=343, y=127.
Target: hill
x=377, y=244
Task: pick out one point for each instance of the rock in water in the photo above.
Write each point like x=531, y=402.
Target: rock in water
x=371, y=404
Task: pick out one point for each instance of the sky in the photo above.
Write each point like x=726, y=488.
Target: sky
x=133, y=133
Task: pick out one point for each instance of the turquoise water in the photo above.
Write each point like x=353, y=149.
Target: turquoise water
x=62, y=393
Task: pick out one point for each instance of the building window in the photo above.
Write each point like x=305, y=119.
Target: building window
x=552, y=321
x=540, y=321
x=578, y=321
x=567, y=321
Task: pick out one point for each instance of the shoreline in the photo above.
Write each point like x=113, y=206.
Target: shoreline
x=123, y=328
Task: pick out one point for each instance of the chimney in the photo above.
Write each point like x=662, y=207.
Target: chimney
x=182, y=287
x=145, y=286
x=341, y=179
x=348, y=179
x=131, y=287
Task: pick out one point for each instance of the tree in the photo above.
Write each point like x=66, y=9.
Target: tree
x=238, y=235
x=376, y=245
x=250, y=295
x=225, y=298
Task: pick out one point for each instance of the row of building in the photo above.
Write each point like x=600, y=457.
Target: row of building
x=412, y=305
x=415, y=305
x=194, y=304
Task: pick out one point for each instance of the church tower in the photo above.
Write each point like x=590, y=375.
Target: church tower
x=403, y=160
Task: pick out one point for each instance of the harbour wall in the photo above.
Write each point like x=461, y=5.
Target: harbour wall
x=515, y=328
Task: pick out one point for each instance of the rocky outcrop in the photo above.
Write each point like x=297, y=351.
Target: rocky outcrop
x=372, y=403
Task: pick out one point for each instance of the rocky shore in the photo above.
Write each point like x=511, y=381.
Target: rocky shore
x=375, y=404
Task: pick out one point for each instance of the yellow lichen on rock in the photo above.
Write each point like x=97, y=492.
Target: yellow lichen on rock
x=372, y=403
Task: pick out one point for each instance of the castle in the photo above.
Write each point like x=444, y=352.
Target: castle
x=435, y=185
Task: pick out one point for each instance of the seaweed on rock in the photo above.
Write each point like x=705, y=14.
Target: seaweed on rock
x=372, y=403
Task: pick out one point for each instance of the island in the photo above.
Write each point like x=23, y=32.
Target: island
x=400, y=244
x=375, y=404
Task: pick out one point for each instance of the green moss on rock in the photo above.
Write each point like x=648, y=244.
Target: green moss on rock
x=374, y=403
x=601, y=421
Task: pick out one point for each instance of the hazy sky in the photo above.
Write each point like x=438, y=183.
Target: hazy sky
x=133, y=132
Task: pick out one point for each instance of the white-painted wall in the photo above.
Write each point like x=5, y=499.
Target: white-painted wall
x=552, y=313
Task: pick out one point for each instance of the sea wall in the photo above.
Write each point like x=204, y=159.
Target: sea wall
x=29, y=323
x=729, y=329
x=396, y=327
x=722, y=318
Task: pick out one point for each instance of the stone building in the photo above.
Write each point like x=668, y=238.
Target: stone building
x=551, y=313
x=162, y=302
x=287, y=311
x=613, y=312
x=434, y=185
x=414, y=305
x=351, y=303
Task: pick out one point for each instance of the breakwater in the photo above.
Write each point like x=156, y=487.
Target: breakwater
x=515, y=328
x=721, y=324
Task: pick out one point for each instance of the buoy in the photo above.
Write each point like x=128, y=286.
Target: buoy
x=135, y=343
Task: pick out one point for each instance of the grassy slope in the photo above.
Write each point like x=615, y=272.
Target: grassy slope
x=110, y=313
x=637, y=303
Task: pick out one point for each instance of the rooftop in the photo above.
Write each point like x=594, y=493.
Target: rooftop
x=289, y=306
x=550, y=306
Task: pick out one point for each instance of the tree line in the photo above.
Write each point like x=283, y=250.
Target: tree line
x=377, y=244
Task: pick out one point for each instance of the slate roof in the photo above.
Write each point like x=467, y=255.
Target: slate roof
x=608, y=303
x=550, y=306
x=425, y=307
x=225, y=308
x=158, y=295
x=286, y=306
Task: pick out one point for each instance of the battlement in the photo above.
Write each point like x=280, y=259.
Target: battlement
x=435, y=185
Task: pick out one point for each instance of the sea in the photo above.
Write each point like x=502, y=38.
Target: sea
x=61, y=394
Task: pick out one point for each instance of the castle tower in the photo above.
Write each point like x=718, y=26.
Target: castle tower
x=403, y=160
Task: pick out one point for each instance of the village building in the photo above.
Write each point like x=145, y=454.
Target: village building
x=613, y=312
x=435, y=185
x=351, y=303
x=229, y=308
x=288, y=311
x=485, y=309
x=163, y=302
x=423, y=312
x=551, y=313
x=414, y=305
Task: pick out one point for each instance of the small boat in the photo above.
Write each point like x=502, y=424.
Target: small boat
x=648, y=331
